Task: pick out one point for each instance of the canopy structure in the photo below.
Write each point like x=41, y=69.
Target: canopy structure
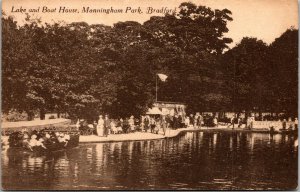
x=154, y=111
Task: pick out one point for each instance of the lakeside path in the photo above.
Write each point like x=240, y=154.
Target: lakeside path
x=137, y=136
x=35, y=123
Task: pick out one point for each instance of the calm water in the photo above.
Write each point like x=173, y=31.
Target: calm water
x=189, y=161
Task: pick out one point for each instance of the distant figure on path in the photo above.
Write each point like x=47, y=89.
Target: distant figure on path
x=215, y=121
x=192, y=119
x=164, y=124
x=200, y=120
x=284, y=124
x=176, y=122
x=240, y=122
x=106, y=125
x=146, y=123
x=100, y=126
x=131, y=123
x=290, y=123
x=152, y=125
x=120, y=126
x=187, y=121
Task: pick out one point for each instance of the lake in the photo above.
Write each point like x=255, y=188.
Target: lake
x=192, y=160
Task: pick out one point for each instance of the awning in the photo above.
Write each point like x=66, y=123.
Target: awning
x=154, y=111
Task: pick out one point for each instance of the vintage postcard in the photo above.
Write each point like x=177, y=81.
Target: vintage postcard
x=149, y=95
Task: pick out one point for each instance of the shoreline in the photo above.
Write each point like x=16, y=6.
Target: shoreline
x=141, y=136
x=170, y=133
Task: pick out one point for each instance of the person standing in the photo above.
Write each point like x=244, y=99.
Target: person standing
x=284, y=124
x=187, y=121
x=290, y=123
x=164, y=124
x=100, y=126
x=196, y=120
x=146, y=123
x=191, y=120
x=200, y=120
x=152, y=124
x=131, y=123
x=240, y=122
x=175, y=122
x=232, y=121
x=106, y=125
x=215, y=121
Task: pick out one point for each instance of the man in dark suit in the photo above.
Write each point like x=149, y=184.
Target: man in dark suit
x=106, y=125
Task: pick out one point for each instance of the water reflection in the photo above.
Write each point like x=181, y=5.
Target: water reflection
x=193, y=160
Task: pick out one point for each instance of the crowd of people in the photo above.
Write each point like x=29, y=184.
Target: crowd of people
x=158, y=123
x=39, y=139
x=153, y=124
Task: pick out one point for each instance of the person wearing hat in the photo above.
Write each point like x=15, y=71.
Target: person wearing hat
x=25, y=140
x=131, y=123
x=100, y=126
x=32, y=142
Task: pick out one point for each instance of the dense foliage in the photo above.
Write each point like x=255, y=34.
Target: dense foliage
x=86, y=69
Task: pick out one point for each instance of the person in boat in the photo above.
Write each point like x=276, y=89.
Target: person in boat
x=100, y=126
x=32, y=142
x=25, y=141
x=47, y=139
x=40, y=143
x=64, y=138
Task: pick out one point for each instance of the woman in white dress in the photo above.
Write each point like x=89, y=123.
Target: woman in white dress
x=100, y=126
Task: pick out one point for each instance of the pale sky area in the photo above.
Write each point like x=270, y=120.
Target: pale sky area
x=264, y=19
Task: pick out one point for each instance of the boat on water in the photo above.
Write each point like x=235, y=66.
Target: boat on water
x=43, y=141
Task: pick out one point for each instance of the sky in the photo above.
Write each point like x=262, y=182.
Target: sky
x=263, y=19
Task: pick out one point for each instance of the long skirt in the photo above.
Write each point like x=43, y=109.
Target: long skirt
x=100, y=131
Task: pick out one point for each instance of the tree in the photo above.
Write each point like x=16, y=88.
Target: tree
x=190, y=43
x=245, y=67
x=283, y=73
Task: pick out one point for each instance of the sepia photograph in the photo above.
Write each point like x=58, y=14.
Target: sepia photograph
x=149, y=95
